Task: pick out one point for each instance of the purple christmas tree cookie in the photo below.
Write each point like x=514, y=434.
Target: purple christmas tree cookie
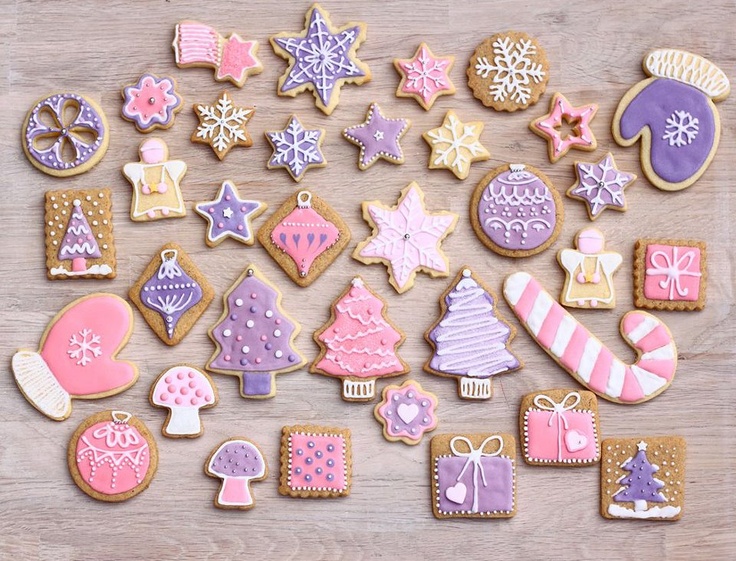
x=254, y=336
x=378, y=137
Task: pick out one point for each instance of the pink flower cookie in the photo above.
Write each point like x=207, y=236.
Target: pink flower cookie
x=670, y=274
x=112, y=456
x=425, y=77
x=151, y=103
x=549, y=127
x=406, y=412
x=315, y=462
x=183, y=390
x=237, y=461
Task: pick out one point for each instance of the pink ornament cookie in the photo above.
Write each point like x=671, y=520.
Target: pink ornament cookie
x=237, y=462
x=151, y=103
x=184, y=390
x=315, y=462
x=78, y=356
x=406, y=412
x=550, y=127
x=112, y=456
x=425, y=77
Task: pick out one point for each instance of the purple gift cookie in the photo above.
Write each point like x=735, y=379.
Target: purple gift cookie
x=406, y=412
x=378, y=137
x=151, y=103
x=516, y=211
x=65, y=134
x=254, y=336
x=674, y=115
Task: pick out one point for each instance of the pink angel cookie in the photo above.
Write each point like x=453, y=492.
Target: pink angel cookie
x=151, y=103
x=406, y=412
x=549, y=127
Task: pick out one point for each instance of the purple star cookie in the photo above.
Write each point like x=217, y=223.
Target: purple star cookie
x=229, y=216
x=378, y=137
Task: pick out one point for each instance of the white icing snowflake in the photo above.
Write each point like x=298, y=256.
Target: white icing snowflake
x=601, y=185
x=85, y=347
x=296, y=148
x=223, y=124
x=456, y=144
x=513, y=68
x=681, y=129
x=426, y=74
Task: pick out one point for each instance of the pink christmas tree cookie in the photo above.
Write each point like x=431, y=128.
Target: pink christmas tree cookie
x=254, y=336
x=406, y=412
x=238, y=462
x=359, y=343
x=183, y=390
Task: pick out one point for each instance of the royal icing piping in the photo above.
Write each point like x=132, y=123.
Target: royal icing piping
x=317, y=461
x=581, y=137
x=183, y=390
x=223, y=125
x=237, y=463
x=455, y=145
x=600, y=186
x=425, y=77
x=672, y=273
x=407, y=412
x=584, y=357
x=229, y=216
x=378, y=137
x=295, y=148
x=151, y=103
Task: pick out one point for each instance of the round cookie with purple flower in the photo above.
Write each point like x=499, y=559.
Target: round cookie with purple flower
x=406, y=412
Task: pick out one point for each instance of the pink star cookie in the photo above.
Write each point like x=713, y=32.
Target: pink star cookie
x=238, y=60
x=424, y=77
x=406, y=412
x=406, y=237
x=549, y=126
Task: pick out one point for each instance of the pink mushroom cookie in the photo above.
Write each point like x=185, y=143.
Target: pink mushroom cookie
x=315, y=462
x=406, y=412
x=183, y=390
x=237, y=461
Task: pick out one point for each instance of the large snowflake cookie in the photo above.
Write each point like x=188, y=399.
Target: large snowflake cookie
x=406, y=412
x=674, y=116
x=77, y=358
x=508, y=71
x=425, y=77
x=406, y=238
x=378, y=138
x=600, y=185
x=321, y=58
x=222, y=125
x=65, y=134
x=296, y=149
x=151, y=103
x=455, y=145
x=551, y=127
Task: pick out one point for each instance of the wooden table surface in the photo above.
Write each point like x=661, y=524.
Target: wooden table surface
x=595, y=54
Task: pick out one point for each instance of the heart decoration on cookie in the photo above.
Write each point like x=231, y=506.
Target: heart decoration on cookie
x=408, y=413
x=457, y=493
x=77, y=356
x=575, y=440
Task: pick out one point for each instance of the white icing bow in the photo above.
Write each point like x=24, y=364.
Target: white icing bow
x=474, y=456
x=672, y=269
x=558, y=411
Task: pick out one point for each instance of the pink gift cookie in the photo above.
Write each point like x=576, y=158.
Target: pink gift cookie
x=425, y=77
x=315, y=462
x=78, y=356
x=550, y=127
x=560, y=428
x=183, y=390
x=151, y=103
x=670, y=274
x=406, y=412
x=237, y=462
x=112, y=456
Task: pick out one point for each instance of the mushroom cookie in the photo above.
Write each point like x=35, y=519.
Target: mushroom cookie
x=183, y=390
x=112, y=456
x=673, y=114
x=237, y=461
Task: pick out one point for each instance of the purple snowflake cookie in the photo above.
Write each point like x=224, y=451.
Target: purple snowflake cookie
x=295, y=148
x=600, y=186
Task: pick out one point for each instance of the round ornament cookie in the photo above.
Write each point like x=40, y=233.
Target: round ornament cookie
x=65, y=134
x=508, y=71
x=112, y=456
x=516, y=211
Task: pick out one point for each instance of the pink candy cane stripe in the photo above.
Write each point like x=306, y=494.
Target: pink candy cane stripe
x=662, y=368
x=546, y=335
x=526, y=303
x=657, y=338
x=602, y=370
x=571, y=357
x=631, y=391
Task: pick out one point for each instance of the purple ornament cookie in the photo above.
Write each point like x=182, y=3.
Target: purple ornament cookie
x=516, y=211
x=378, y=137
x=65, y=134
x=406, y=412
x=151, y=103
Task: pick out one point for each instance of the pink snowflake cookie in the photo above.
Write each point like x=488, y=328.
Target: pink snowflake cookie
x=424, y=77
x=151, y=103
x=406, y=412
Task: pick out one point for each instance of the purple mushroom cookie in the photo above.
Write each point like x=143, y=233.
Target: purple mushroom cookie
x=406, y=412
x=237, y=461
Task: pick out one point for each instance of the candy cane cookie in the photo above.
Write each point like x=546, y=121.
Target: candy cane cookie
x=584, y=357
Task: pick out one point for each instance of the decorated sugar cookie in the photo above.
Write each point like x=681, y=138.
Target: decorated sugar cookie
x=77, y=356
x=171, y=294
x=112, y=456
x=406, y=412
x=455, y=145
x=643, y=478
x=184, y=390
x=321, y=58
x=65, y=134
x=378, y=138
x=600, y=186
x=577, y=351
x=151, y=103
x=508, y=71
x=79, y=237
x=316, y=462
x=425, y=77
x=516, y=211
x=229, y=216
x=197, y=44
x=304, y=236
x=156, y=183
x=560, y=428
x=237, y=462
x=406, y=238
x=673, y=114
x=296, y=149
x=550, y=127
x=222, y=125
x=254, y=336
x=359, y=343
x=589, y=272
x=473, y=475
x=471, y=339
